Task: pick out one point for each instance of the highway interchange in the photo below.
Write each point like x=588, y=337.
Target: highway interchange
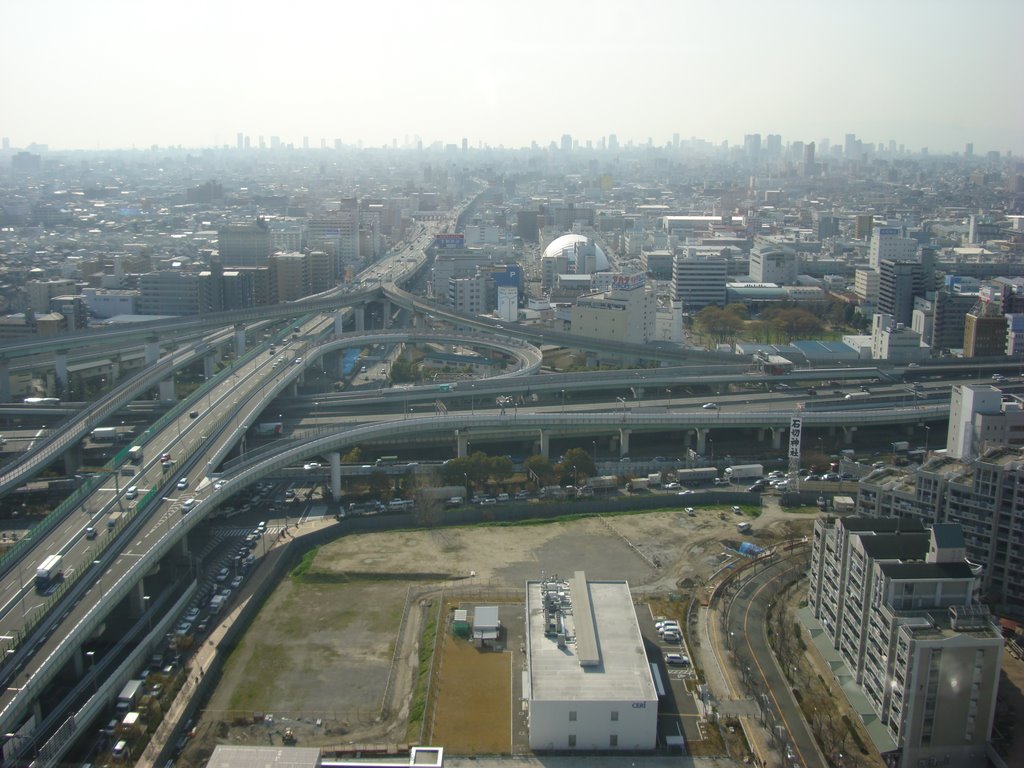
x=44, y=632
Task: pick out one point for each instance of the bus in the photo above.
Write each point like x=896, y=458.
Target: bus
x=42, y=401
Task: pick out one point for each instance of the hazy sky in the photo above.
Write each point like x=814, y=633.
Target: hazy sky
x=118, y=73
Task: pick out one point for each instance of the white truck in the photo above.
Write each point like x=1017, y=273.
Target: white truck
x=654, y=480
x=49, y=572
x=129, y=696
x=744, y=472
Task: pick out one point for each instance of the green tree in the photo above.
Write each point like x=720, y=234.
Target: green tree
x=717, y=323
x=380, y=485
x=354, y=456
x=538, y=466
x=576, y=466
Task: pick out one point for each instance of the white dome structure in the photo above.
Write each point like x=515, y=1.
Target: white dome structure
x=574, y=243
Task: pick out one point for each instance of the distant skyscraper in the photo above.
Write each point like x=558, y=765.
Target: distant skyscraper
x=809, y=159
x=247, y=142
x=7, y=143
x=773, y=145
x=969, y=149
x=675, y=141
x=240, y=140
x=465, y=145
x=613, y=142
x=305, y=142
x=752, y=146
x=263, y=144
x=275, y=142
x=566, y=142
x=850, y=145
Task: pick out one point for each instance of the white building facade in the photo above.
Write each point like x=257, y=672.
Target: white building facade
x=589, y=684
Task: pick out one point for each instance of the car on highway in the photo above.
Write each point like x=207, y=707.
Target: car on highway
x=672, y=486
x=188, y=504
x=710, y=406
x=182, y=484
x=193, y=414
x=90, y=532
x=298, y=361
x=131, y=493
x=237, y=582
x=192, y=615
x=165, y=457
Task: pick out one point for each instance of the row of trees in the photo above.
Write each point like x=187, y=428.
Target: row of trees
x=784, y=322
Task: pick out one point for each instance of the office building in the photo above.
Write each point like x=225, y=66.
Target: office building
x=894, y=341
x=625, y=313
x=172, y=293
x=865, y=286
x=898, y=603
x=244, y=245
x=984, y=333
x=769, y=264
x=40, y=292
x=889, y=243
x=588, y=683
x=289, y=277
x=863, y=224
x=468, y=294
x=949, y=312
x=699, y=281
x=104, y=303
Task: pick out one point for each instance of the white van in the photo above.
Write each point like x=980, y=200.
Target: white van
x=131, y=493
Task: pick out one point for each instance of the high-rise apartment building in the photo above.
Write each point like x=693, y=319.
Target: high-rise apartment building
x=898, y=283
x=898, y=603
x=289, y=276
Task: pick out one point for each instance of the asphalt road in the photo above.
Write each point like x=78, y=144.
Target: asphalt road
x=746, y=628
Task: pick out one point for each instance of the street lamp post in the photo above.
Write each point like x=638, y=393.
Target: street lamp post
x=563, y=401
x=927, y=434
x=623, y=401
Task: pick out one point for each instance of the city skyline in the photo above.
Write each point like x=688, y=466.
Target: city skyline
x=118, y=75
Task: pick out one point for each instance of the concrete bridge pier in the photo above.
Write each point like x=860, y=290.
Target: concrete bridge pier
x=167, y=389
x=152, y=351
x=137, y=599
x=78, y=659
x=613, y=444
x=339, y=322
x=334, y=457
x=60, y=361
x=73, y=459
x=210, y=365
x=5, y=380
x=702, y=440
x=777, y=437
x=360, y=317
x=293, y=388
x=848, y=433
x=623, y=442
x=386, y=310
x=239, y=341
x=461, y=444
x=183, y=548
x=545, y=444
x=760, y=434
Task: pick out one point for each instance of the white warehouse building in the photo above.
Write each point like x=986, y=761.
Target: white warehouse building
x=588, y=682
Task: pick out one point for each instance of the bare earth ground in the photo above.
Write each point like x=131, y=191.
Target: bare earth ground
x=472, y=714
x=319, y=654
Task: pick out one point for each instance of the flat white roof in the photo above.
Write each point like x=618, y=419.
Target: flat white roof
x=621, y=672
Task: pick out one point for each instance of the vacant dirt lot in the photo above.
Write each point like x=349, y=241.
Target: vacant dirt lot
x=320, y=654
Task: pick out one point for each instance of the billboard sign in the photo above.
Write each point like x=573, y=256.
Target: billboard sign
x=795, y=425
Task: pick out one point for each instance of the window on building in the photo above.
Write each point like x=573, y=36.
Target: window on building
x=572, y=716
x=572, y=739
x=613, y=740
x=615, y=716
